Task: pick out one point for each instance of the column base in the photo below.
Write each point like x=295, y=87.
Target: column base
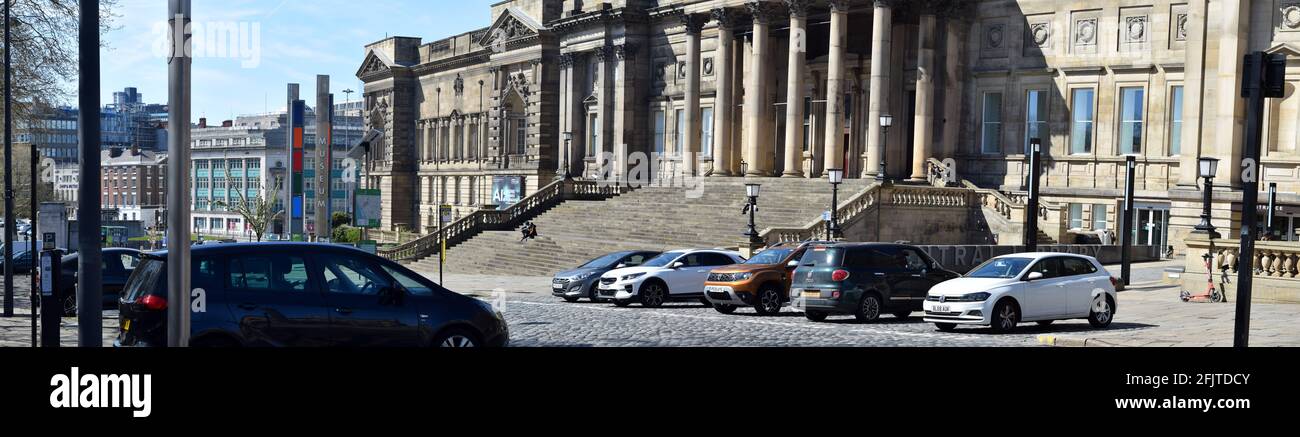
x=792, y=175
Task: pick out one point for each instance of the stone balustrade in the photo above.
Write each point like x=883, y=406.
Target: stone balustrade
x=1275, y=265
x=905, y=196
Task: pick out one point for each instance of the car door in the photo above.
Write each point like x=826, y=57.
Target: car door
x=1046, y=297
x=114, y=275
x=915, y=279
x=689, y=278
x=274, y=301
x=1082, y=281
x=366, y=308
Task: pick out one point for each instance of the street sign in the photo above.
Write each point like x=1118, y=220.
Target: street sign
x=826, y=216
x=369, y=209
x=444, y=213
x=48, y=238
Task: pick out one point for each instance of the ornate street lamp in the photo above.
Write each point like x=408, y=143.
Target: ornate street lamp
x=836, y=178
x=751, y=192
x=886, y=121
x=744, y=168
x=564, y=158
x=1207, y=168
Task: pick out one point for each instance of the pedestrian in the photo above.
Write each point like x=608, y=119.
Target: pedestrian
x=529, y=231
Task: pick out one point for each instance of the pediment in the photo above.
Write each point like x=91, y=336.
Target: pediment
x=1289, y=49
x=375, y=62
x=513, y=24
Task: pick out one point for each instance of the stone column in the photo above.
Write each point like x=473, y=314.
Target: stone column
x=795, y=88
x=835, y=85
x=881, y=35
x=627, y=99
x=1193, y=92
x=605, y=105
x=756, y=92
x=952, y=84
x=691, y=153
x=723, y=102
x=1230, y=119
x=923, y=129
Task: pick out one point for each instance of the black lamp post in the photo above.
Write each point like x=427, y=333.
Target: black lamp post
x=1272, y=209
x=886, y=121
x=1207, y=168
x=751, y=191
x=836, y=178
x=744, y=168
x=564, y=158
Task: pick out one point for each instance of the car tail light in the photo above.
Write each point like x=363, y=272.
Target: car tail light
x=1114, y=282
x=153, y=303
x=840, y=275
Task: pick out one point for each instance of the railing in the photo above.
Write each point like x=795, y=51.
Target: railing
x=1275, y=267
x=936, y=173
x=867, y=200
x=509, y=218
x=1053, y=218
x=1275, y=259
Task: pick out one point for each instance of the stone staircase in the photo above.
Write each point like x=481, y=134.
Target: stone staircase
x=657, y=218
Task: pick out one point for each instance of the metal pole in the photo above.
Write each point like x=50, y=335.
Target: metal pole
x=89, y=277
x=178, y=176
x=9, y=159
x=324, y=147
x=1253, y=89
x=1031, y=208
x=1272, y=206
x=1126, y=238
x=32, y=235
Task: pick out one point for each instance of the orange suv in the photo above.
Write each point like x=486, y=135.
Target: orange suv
x=762, y=282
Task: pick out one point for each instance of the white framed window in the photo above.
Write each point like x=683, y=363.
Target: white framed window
x=660, y=127
x=1036, y=105
x=1176, y=120
x=1082, y=118
x=679, y=143
x=593, y=133
x=1132, y=104
x=1099, y=216
x=991, y=124
x=1076, y=216
x=706, y=131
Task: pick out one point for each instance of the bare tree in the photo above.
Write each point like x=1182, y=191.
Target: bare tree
x=259, y=212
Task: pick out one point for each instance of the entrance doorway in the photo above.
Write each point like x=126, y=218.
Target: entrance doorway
x=1151, y=225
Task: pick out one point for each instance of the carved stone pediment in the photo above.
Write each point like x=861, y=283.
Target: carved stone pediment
x=511, y=25
x=375, y=63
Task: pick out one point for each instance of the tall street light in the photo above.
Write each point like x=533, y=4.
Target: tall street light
x=836, y=178
x=1207, y=167
x=886, y=121
x=9, y=159
x=751, y=192
x=564, y=156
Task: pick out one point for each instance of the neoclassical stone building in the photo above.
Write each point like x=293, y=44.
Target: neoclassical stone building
x=792, y=88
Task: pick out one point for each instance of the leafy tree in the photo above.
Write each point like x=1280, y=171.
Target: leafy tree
x=259, y=212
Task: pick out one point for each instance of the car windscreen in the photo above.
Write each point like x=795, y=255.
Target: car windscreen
x=1004, y=268
x=822, y=256
x=770, y=256
x=149, y=278
x=663, y=259
x=602, y=262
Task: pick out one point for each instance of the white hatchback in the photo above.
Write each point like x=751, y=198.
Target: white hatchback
x=1025, y=287
x=671, y=276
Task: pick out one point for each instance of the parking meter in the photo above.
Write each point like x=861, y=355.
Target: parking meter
x=51, y=297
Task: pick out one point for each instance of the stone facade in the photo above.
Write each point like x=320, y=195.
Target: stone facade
x=968, y=80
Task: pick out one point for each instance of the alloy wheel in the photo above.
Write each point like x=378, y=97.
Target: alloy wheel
x=457, y=340
x=1007, y=317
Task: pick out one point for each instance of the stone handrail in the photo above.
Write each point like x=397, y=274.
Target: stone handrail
x=509, y=218
x=1275, y=259
x=867, y=200
x=1054, y=218
x=936, y=173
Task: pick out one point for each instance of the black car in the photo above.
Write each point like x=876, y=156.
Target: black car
x=303, y=294
x=865, y=280
x=22, y=262
x=117, y=264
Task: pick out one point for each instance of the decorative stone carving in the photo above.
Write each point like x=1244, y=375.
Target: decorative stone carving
x=707, y=63
x=799, y=8
x=1291, y=16
x=726, y=17
x=605, y=53
x=1040, y=34
x=566, y=60
x=763, y=12
x=694, y=23
x=1135, y=28
x=459, y=86
x=626, y=51
x=681, y=69
x=994, y=35
x=1180, y=27
x=661, y=72
x=1085, y=32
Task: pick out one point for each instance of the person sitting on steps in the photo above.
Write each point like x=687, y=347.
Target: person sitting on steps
x=529, y=231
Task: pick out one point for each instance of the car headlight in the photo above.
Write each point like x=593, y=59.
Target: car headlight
x=976, y=297
x=631, y=276
x=737, y=277
x=582, y=276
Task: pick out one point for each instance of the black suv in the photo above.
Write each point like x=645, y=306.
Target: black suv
x=865, y=280
x=302, y=294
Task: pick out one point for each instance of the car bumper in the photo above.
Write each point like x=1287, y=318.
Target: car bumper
x=727, y=295
x=825, y=301
x=968, y=313
x=570, y=288
x=621, y=290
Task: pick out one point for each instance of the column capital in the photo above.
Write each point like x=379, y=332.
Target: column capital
x=604, y=53
x=626, y=51
x=727, y=18
x=763, y=11
x=566, y=60
x=799, y=8
x=887, y=4
x=694, y=23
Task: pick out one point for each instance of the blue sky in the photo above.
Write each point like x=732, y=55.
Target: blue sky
x=298, y=40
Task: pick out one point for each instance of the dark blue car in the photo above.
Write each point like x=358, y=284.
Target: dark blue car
x=304, y=295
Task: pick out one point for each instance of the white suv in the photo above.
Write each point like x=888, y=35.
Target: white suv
x=1025, y=287
x=674, y=275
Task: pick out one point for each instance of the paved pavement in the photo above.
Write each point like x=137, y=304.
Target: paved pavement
x=17, y=331
x=1150, y=314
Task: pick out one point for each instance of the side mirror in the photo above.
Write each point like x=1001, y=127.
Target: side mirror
x=621, y=265
x=1034, y=276
x=678, y=265
x=792, y=264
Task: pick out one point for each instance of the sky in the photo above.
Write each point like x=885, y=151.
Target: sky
x=280, y=42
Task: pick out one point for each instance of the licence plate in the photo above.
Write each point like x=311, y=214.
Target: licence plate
x=717, y=289
x=940, y=308
x=814, y=294
x=126, y=325
x=557, y=286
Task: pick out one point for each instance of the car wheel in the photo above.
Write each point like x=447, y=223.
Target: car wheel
x=724, y=308
x=900, y=314
x=1044, y=322
x=816, y=316
x=70, y=306
x=868, y=308
x=768, y=301
x=622, y=303
x=705, y=301
x=1005, y=316
x=946, y=327
x=594, y=294
x=1103, y=311
x=457, y=337
x=570, y=299
x=653, y=295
